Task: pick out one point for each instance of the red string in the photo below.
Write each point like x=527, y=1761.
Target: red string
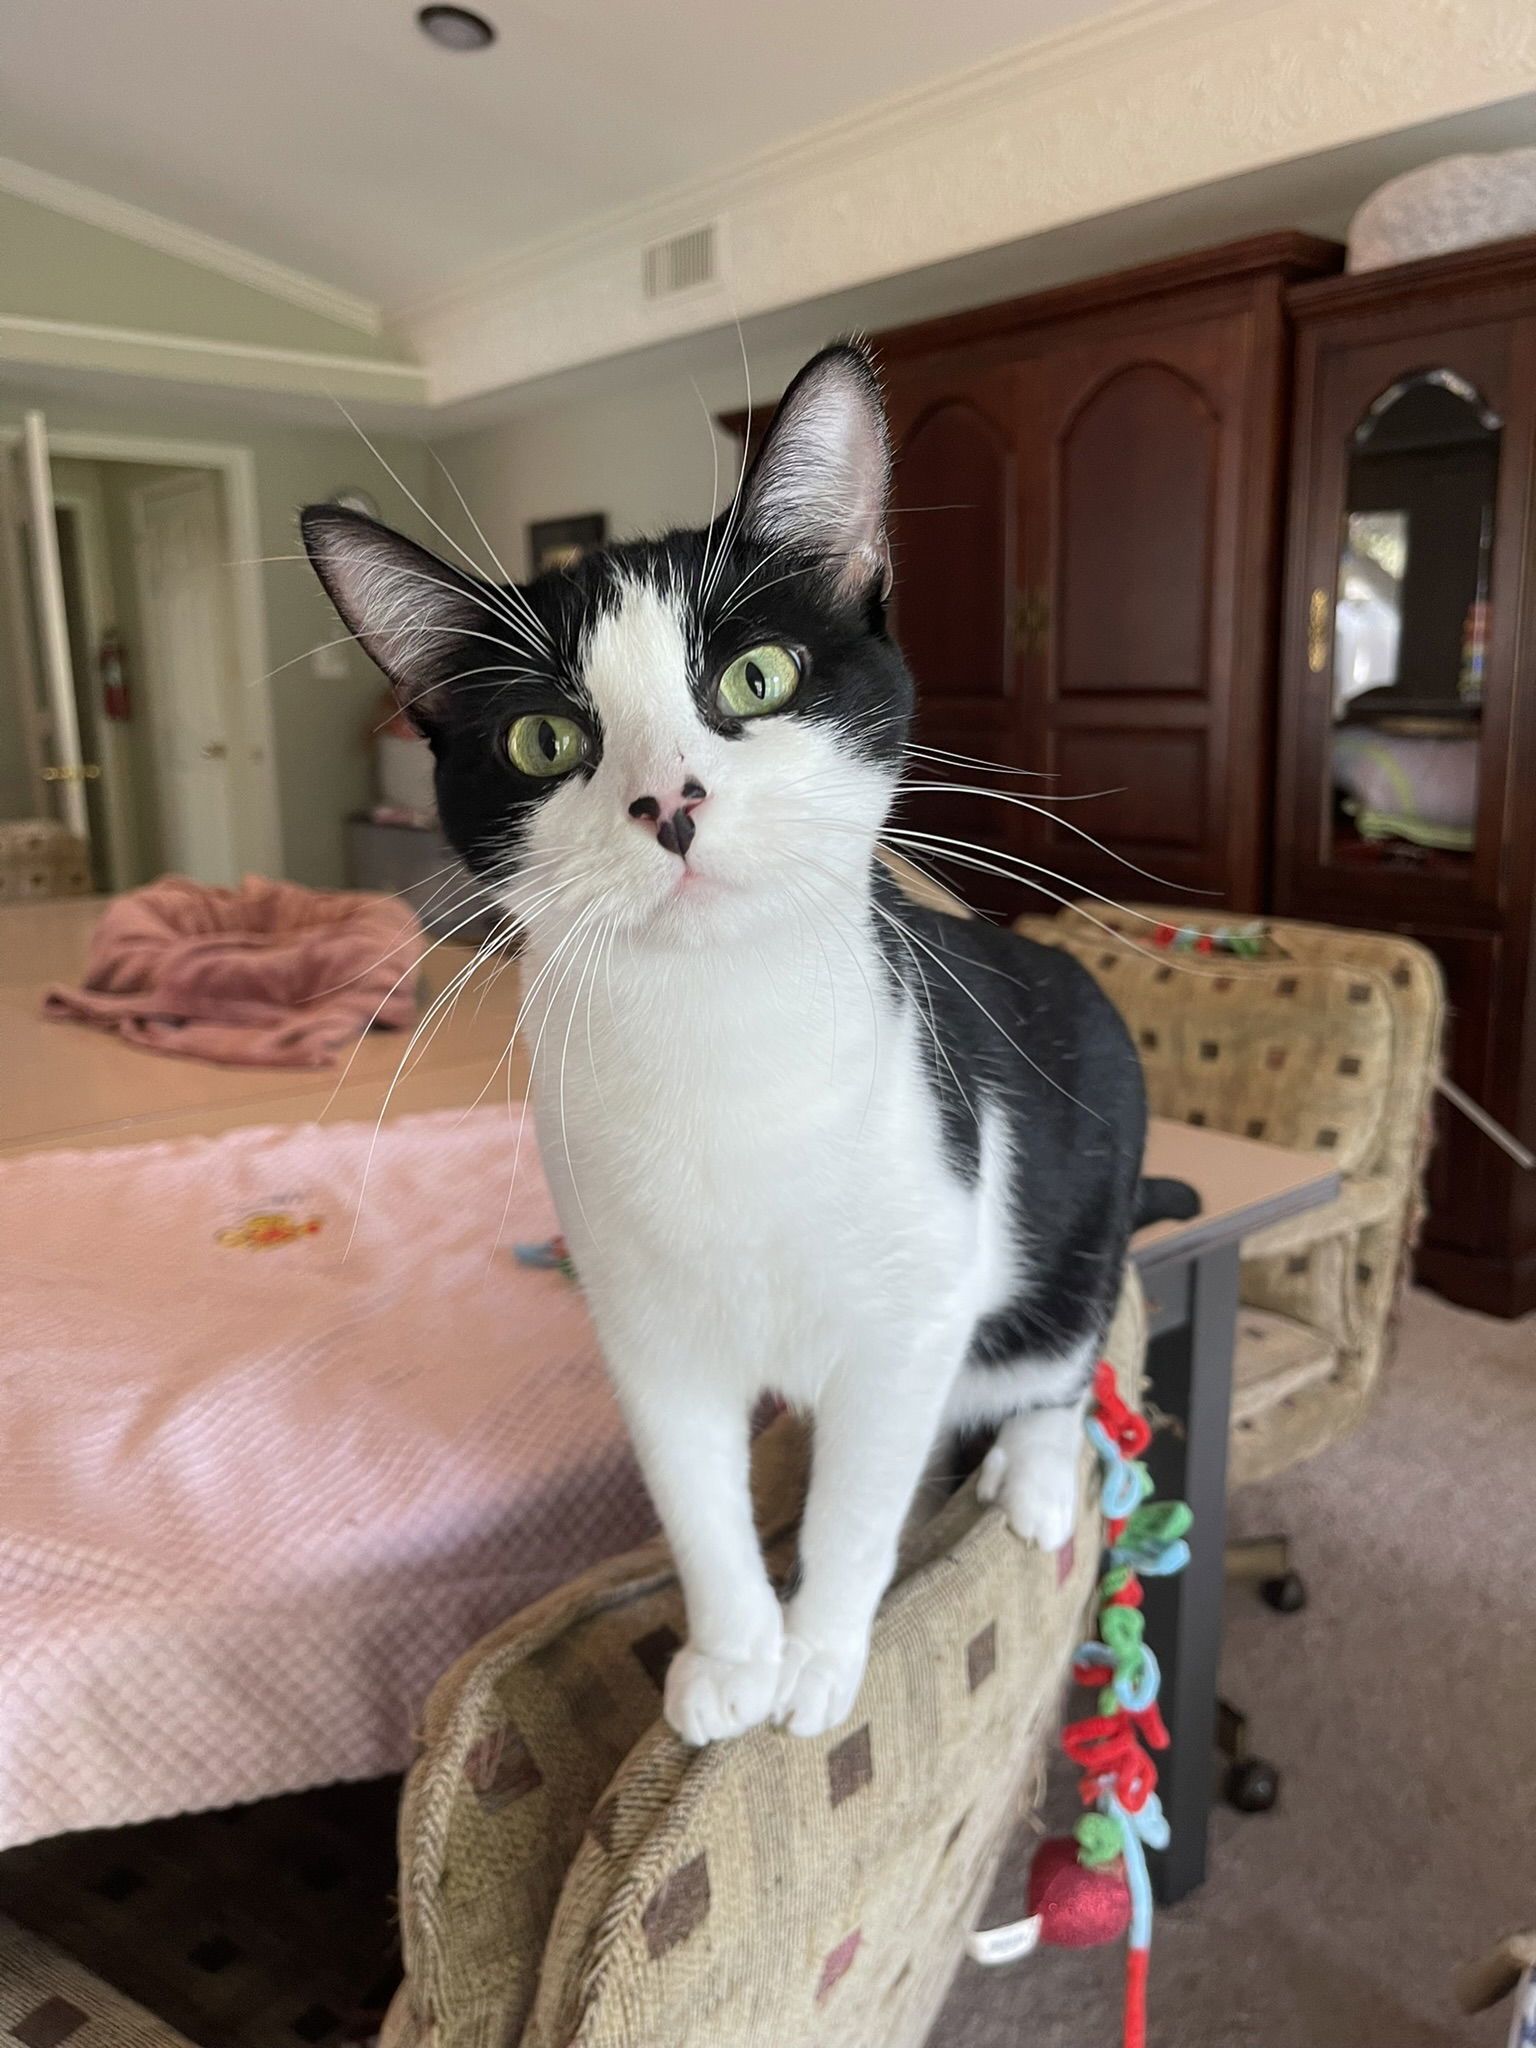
x=1106, y=1750
x=1136, y=1998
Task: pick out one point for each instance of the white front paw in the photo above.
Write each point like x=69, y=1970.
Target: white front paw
x=1035, y=1478
x=710, y=1699
x=818, y=1681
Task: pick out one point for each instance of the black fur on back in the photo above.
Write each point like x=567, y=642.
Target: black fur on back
x=1021, y=1029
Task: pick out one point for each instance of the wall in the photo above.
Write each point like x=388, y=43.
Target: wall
x=645, y=457
x=324, y=764
x=118, y=479
x=73, y=293
x=62, y=269
x=16, y=798
x=324, y=752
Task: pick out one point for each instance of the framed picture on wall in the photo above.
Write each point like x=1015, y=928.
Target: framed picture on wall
x=561, y=543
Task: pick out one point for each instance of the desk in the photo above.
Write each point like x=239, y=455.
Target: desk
x=1190, y=1273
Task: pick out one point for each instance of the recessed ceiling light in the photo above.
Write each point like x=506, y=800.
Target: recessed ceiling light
x=455, y=28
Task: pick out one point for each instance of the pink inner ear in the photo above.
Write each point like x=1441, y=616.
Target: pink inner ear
x=824, y=473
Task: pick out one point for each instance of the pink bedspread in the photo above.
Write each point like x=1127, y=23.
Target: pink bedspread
x=267, y=975
x=259, y=1490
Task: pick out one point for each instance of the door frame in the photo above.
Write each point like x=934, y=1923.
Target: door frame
x=15, y=604
x=258, y=819
x=120, y=807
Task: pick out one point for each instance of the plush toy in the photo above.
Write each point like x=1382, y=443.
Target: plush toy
x=1078, y=1905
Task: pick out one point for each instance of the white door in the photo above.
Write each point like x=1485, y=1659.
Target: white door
x=189, y=668
x=55, y=730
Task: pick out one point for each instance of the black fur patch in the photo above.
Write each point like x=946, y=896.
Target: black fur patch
x=1023, y=1032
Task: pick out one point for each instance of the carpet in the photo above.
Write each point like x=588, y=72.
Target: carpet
x=1400, y=1706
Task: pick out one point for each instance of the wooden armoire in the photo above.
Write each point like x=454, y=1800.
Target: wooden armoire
x=1174, y=548
x=1413, y=489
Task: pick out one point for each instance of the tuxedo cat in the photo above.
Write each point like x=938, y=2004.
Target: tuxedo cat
x=803, y=1135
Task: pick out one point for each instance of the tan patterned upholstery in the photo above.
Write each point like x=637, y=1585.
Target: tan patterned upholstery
x=1329, y=1042
x=40, y=857
x=48, y=2000
x=572, y=1874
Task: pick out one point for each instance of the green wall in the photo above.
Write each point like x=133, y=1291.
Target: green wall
x=57, y=268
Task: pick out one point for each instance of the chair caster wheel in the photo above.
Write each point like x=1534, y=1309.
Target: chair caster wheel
x=1287, y=1594
x=1253, y=1785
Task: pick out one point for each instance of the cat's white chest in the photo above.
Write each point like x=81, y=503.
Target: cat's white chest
x=747, y=1144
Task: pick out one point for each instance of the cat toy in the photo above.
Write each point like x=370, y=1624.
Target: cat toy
x=549, y=1257
x=1246, y=941
x=1093, y=1886
x=1118, y=1782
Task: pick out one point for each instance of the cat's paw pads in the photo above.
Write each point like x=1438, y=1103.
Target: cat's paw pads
x=818, y=1683
x=710, y=1699
x=1037, y=1486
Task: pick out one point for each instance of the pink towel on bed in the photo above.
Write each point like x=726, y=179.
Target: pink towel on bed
x=267, y=975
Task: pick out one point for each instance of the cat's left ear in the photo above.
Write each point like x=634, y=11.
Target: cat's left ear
x=413, y=614
x=823, y=475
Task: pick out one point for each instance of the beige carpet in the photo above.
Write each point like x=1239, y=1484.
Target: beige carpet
x=1401, y=1708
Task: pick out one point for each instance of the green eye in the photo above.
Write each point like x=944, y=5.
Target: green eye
x=760, y=680
x=544, y=745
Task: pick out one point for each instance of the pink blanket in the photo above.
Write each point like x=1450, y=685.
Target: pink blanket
x=267, y=975
x=261, y=1489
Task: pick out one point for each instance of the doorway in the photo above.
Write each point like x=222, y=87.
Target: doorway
x=140, y=691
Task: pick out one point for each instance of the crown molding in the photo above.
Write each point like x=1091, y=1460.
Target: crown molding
x=1160, y=96
x=135, y=351
x=190, y=245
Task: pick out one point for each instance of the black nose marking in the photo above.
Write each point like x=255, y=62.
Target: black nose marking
x=645, y=807
x=676, y=835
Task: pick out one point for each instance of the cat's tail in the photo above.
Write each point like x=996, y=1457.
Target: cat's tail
x=1160, y=1199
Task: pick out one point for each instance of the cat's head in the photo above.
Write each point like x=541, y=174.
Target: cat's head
x=679, y=737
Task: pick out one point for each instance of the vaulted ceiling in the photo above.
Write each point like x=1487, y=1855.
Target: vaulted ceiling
x=331, y=136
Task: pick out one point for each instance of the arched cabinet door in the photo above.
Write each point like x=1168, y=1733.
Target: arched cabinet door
x=1150, y=573
x=1135, y=489
x=954, y=546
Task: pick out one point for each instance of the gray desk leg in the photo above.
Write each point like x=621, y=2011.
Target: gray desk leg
x=1191, y=1380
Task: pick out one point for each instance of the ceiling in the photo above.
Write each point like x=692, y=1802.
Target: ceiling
x=330, y=136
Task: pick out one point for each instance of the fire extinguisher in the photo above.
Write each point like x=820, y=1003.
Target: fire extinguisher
x=112, y=662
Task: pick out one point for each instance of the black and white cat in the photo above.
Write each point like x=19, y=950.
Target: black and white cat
x=803, y=1135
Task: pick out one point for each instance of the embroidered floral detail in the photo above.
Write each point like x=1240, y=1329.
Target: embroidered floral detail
x=267, y=1230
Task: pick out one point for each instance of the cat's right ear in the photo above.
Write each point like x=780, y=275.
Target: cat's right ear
x=411, y=613
x=823, y=474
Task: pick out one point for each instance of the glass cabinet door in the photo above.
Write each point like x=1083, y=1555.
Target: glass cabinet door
x=1408, y=631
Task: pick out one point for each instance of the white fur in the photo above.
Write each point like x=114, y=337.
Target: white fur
x=749, y=1168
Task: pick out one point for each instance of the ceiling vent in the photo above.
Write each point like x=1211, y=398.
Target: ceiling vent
x=682, y=263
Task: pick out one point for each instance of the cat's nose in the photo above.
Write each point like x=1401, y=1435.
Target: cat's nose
x=672, y=816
